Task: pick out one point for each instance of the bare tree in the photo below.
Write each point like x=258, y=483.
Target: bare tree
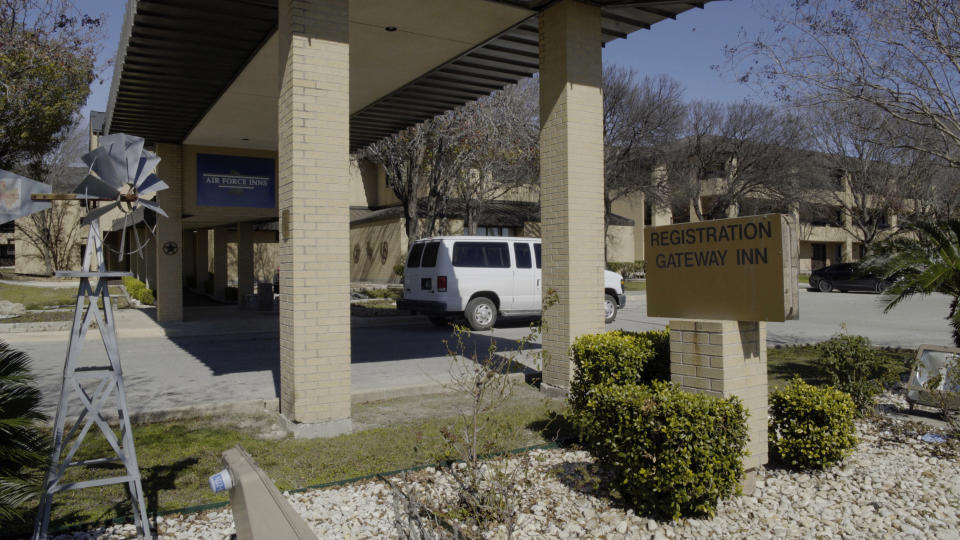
x=898, y=56
x=730, y=153
x=501, y=137
x=420, y=164
x=54, y=233
x=865, y=170
x=639, y=117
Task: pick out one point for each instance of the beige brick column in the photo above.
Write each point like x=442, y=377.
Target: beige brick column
x=202, y=262
x=244, y=259
x=726, y=358
x=220, y=262
x=571, y=171
x=168, y=248
x=314, y=108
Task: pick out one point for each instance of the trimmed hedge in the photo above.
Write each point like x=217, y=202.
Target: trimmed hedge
x=618, y=357
x=672, y=453
x=811, y=427
x=138, y=291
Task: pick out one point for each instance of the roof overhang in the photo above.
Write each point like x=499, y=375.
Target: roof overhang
x=183, y=67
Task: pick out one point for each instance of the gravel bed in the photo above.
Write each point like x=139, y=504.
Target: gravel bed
x=893, y=486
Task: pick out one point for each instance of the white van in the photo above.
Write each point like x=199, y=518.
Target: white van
x=481, y=278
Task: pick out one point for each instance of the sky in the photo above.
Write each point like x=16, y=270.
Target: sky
x=684, y=48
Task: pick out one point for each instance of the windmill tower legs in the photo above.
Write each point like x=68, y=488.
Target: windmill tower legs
x=96, y=387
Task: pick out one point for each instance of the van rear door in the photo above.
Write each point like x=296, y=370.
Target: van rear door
x=412, y=273
x=526, y=283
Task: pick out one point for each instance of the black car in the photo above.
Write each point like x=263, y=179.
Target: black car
x=846, y=277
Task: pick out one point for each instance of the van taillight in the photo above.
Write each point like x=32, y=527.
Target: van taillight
x=441, y=283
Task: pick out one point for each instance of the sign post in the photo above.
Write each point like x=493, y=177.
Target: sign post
x=720, y=282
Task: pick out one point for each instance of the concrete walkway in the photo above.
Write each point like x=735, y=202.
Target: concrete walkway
x=225, y=354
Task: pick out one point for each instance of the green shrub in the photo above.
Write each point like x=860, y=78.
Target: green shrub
x=619, y=357
x=610, y=358
x=811, y=427
x=854, y=367
x=672, y=453
x=24, y=444
x=138, y=291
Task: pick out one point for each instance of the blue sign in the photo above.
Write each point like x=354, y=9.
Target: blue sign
x=236, y=181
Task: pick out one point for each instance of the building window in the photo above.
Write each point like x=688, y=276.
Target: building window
x=8, y=227
x=8, y=254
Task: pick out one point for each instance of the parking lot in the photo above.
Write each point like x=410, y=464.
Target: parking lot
x=396, y=355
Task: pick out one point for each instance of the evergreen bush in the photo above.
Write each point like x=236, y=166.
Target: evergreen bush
x=610, y=358
x=811, y=427
x=619, y=357
x=138, y=291
x=672, y=453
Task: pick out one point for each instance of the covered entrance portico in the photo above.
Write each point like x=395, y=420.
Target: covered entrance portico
x=305, y=83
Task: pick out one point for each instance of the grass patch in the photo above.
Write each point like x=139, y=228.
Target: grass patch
x=43, y=297
x=635, y=285
x=785, y=362
x=39, y=297
x=176, y=458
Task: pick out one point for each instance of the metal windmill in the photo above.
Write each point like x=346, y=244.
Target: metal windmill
x=121, y=173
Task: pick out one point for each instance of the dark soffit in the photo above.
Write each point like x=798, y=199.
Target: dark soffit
x=179, y=56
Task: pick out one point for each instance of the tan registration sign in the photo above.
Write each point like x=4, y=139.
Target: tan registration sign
x=741, y=269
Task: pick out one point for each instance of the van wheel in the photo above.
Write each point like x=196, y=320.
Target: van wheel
x=481, y=313
x=609, y=309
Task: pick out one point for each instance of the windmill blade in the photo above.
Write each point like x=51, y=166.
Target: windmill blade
x=15, y=192
x=148, y=164
x=100, y=162
x=124, y=151
x=153, y=206
x=132, y=151
x=93, y=187
x=151, y=184
x=95, y=214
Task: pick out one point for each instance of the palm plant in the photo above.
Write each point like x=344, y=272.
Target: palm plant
x=24, y=443
x=923, y=258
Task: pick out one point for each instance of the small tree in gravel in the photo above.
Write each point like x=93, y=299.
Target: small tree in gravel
x=489, y=493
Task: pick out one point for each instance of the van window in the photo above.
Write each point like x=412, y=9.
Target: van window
x=430, y=255
x=415, y=252
x=481, y=254
x=522, y=252
x=536, y=251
